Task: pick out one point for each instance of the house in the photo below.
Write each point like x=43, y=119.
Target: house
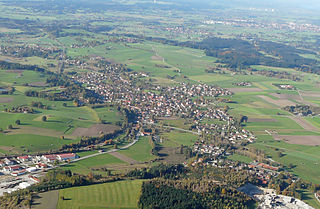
x=18, y=173
x=67, y=156
x=41, y=166
x=9, y=162
x=23, y=158
x=12, y=168
x=31, y=169
x=49, y=158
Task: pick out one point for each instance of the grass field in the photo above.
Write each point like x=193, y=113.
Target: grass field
x=240, y=158
x=175, y=139
x=93, y=164
x=121, y=194
x=34, y=135
x=141, y=151
x=304, y=158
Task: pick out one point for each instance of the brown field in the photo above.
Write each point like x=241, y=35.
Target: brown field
x=239, y=90
x=310, y=94
x=301, y=140
x=305, y=124
x=293, y=97
x=170, y=155
x=279, y=102
x=287, y=96
x=262, y=120
x=155, y=57
x=95, y=130
x=14, y=71
x=5, y=99
x=124, y=158
x=38, y=131
x=125, y=167
x=46, y=200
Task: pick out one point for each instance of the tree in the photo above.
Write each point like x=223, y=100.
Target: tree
x=44, y=118
x=10, y=126
x=18, y=122
x=64, y=104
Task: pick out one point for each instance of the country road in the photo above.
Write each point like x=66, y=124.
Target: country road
x=101, y=153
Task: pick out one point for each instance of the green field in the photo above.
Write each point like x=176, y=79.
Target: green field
x=175, y=139
x=141, y=151
x=94, y=164
x=121, y=194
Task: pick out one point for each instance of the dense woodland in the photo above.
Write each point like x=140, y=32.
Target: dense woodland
x=160, y=193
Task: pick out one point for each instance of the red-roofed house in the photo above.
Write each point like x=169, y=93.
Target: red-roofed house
x=23, y=158
x=67, y=156
x=49, y=158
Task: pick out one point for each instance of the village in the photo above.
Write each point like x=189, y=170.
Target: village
x=23, y=171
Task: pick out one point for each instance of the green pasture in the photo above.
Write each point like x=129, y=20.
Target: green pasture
x=305, y=159
x=240, y=158
x=175, y=139
x=115, y=195
x=93, y=164
x=141, y=151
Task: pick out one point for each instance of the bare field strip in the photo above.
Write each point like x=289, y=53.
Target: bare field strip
x=38, y=131
x=5, y=99
x=262, y=120
x=279, y=102
x=310, y=94
x=304, y=124
x=239, y=90
x=48, y=200
x=95, y=130
x=293, y=97
x=124, y=158
x=301, y=140
x=14, y=71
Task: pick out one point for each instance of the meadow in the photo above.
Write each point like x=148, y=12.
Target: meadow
x=94, y=164
x=120, y=194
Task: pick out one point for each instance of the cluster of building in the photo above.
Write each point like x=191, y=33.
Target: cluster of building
x=247, y=84
x=28, y=50
x=254, y=23
x=29, y=164
x=183, y=100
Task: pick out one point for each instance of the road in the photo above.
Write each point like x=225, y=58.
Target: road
x=101, y=153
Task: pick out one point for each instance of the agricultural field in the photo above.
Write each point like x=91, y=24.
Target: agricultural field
x=121, y=194
x=96, y=165
x=33, y=135
x=141, y=151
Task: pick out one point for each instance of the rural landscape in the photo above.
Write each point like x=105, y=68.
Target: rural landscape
x=159, y=104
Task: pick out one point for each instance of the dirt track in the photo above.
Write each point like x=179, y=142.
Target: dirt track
x=124, y=158
x=301, y=140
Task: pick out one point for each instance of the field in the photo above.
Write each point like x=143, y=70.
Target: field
x=141, y=151
x=34, y=135
x=121, y=194
x=95, y=164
